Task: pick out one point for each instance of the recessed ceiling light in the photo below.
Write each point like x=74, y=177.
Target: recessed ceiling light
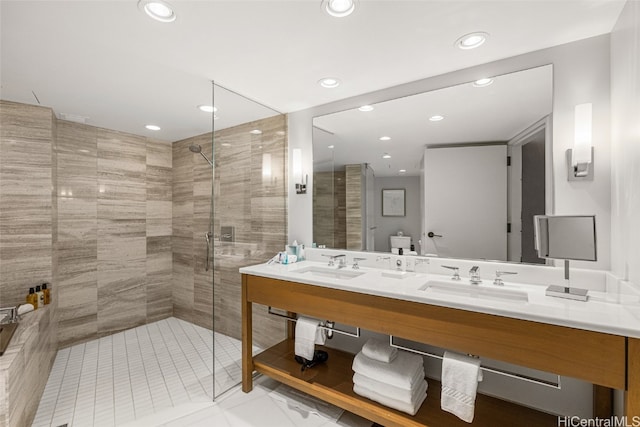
x=256, y=132
x=331, y=147
x=471, y=41
x=402, y=171
x=436, y=118
x=152, y=127
x=339, y=8
x=366, y=108
x=385, y=138
x=482, y=82
x=329, y=82
x=386, y=156
x=158, y=10
x=207, y=108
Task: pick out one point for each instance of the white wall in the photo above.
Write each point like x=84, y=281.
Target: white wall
x=410, y=224
x=625, y=144
x=581, y=74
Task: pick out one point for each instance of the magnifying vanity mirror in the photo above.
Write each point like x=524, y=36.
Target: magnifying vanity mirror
x=474, y=161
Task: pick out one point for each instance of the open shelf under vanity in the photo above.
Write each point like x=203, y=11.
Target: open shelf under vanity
x=332, y=383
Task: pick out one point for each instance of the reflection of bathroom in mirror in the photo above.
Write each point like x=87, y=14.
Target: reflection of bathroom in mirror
x=474, y=176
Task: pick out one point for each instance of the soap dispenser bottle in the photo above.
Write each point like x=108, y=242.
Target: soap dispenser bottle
x=32, y=298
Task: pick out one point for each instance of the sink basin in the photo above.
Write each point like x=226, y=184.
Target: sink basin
x=474, y=291
x=329, y=273
x=397, y=274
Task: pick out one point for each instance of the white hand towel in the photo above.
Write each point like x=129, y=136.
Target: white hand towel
x=305, y=341
x=408, y=407
x=399, y=373
x=389, y=390
x=460, y=375
x=379, y=350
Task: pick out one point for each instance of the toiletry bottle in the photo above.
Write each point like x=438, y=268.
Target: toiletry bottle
x=32, y=298
x=40, y=295
x=47, y=293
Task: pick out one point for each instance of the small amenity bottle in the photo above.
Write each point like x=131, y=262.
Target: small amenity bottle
x=40, y=295
x=32, y=298
x=47, y=293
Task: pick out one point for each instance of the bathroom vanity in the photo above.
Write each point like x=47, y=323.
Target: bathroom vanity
x=514, y=324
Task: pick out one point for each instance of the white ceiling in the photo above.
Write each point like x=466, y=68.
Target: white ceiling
x=107, y=61
x=495, y=113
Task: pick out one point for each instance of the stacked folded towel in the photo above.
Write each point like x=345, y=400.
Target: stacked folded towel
x=390, y=377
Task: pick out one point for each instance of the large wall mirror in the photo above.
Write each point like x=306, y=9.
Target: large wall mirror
x=473, y=159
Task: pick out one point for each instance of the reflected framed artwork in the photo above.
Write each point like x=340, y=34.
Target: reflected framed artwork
x=393, y=202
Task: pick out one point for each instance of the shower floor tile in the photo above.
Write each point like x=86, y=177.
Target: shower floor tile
x=128, y=376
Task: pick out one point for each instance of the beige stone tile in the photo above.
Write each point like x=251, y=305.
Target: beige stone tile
x=77, y=330
x=76, y=209
x=159, y=153
x=76, y=139
x=121, y=209
x=159, y=183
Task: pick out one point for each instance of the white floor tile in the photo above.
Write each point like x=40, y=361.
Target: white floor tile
x=161, y=374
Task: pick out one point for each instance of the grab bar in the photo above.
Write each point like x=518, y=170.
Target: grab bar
x=328, y=325
x=556, y=385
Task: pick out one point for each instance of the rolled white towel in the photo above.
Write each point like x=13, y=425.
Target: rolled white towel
x=460, y=376
x=25, y=308
x=379, y=350
x=389, y=390
x=400, y=373
x=401, y=405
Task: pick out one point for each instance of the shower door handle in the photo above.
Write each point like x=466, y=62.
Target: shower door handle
x=207, y=237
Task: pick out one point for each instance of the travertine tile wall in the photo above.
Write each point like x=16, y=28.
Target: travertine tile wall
x=248, y=197
x=329, y=209
x=27, y=236
x=353, y=206
x=26, y=239
x=114, y=222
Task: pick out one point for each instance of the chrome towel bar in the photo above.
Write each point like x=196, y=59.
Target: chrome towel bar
x=328, y=325
x=556, y=385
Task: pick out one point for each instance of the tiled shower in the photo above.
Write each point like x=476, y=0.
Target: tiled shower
x=116, y=223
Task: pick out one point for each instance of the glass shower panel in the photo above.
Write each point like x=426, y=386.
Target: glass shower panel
x=249, y=219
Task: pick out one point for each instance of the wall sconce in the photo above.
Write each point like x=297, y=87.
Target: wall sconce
x=301, y=185
x=580, y=158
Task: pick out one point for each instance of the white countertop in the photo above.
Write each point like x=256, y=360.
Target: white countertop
x=603, y=312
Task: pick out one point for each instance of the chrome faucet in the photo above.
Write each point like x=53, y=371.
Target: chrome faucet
x=456, y=272
x=498, y=280
x=342, y=260
x=355, y=263
x=474, y=276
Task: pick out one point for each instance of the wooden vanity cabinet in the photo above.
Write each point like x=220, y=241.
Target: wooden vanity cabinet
x=606, y=360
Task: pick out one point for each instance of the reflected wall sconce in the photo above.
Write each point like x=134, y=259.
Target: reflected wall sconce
x=266, y=167
x=580, y=158
x=299, y=178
